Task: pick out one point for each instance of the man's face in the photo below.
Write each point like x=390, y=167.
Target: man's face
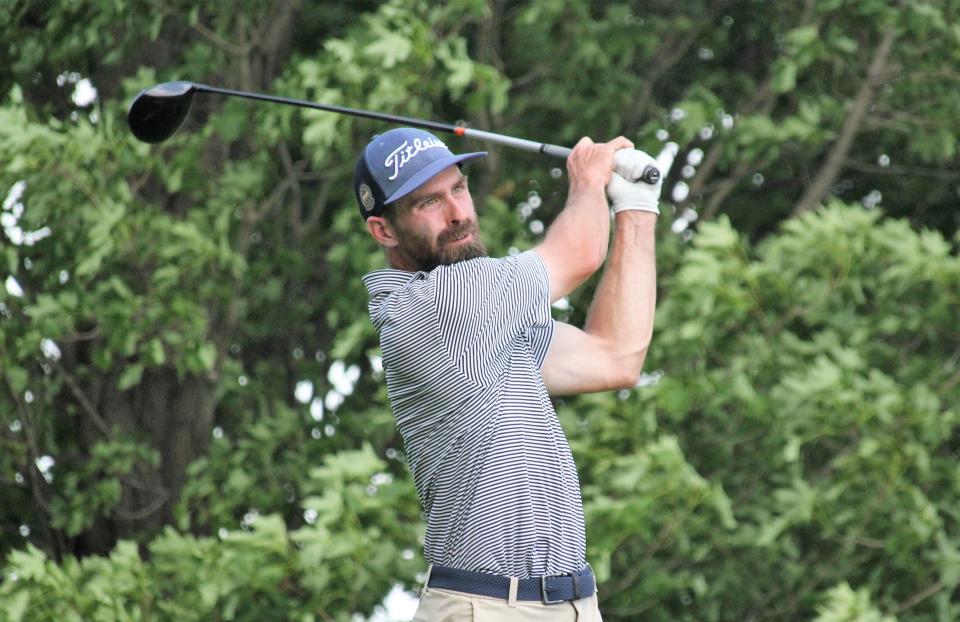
x=436, y=224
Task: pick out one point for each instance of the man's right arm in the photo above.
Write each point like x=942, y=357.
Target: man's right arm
x=576, y=243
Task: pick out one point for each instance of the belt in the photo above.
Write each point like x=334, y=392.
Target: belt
x=549, y=590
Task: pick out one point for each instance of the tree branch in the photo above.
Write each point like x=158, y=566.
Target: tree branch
x=36, y=482
x=143, y=512
x=763, y=99
x=665, y=64
x=832, y=167
x=89, y=335
x=219, y=42
x=920, y=596
x=901, y=171
x=293, y=182
x=725, y=188
x=85, y=404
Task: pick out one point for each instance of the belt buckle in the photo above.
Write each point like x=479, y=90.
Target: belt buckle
x=543, y=593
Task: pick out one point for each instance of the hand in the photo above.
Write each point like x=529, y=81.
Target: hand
x=590, y=164
x=629, y=164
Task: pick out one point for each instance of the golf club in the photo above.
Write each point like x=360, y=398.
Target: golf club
x=158, y=112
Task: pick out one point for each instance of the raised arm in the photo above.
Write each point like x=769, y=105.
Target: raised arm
x=576, y=243
x=610, y=350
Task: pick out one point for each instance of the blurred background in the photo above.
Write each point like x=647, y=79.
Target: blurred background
x=193, y=417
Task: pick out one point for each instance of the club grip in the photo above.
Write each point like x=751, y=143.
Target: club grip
x=650, y=175
x=625, y=164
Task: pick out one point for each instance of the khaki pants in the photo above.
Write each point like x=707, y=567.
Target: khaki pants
x=448, y=606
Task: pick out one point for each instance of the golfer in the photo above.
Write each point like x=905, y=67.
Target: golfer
x=472, y=356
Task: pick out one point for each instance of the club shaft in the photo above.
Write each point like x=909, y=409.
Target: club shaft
x=650, y=175
x=146, y=108
x=491, y=137
x=511, y=141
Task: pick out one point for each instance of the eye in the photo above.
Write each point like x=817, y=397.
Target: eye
x=428, y=202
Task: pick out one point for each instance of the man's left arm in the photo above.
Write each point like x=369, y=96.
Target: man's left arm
x=608, y=353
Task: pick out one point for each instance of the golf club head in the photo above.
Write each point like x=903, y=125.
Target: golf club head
x=158, y=112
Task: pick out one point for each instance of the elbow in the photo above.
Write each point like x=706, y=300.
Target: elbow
x=597, y=254
x=585, y=269
x=626, y=380
x=578, y=267
x=630, y=370
x=591, y=259
x=588, y=252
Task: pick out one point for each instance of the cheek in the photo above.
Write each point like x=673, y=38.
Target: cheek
x=429, y=226
x=467, y=203
x=416, y=232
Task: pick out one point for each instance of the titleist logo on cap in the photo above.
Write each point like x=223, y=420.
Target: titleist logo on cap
x=406, y=152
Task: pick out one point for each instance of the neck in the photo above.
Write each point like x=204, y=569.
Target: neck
x=399, y=260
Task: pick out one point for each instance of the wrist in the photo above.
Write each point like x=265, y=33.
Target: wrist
x=586, y=187
x=586, y=196
x=637, y=230
x=636, y=217
x=646, y=206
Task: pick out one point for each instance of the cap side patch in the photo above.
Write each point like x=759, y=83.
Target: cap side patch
x=365, y=194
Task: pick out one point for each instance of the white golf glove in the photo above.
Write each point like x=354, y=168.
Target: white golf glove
x=630, y=164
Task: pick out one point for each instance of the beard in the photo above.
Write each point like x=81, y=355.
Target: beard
x=427, y=254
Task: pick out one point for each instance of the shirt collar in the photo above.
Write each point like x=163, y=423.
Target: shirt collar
x=380, y=282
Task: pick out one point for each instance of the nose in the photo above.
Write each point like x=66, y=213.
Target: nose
x=459, y=208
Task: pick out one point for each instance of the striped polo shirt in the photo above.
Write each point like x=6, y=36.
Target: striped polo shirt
x=462, y=349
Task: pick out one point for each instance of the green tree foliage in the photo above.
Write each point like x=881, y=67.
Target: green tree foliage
x=804, y=437
x=261, y=571
x=781, y=103
x=193, y=422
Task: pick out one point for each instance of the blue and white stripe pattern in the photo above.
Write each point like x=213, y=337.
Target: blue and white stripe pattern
x=462, y=349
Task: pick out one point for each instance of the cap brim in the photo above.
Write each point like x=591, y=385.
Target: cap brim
x=429, y=172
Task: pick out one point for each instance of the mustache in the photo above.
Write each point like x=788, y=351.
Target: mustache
x=457, y=231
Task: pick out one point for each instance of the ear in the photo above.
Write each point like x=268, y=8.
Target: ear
x=381, y=230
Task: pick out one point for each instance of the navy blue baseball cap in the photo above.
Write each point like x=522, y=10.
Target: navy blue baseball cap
x=396, y=163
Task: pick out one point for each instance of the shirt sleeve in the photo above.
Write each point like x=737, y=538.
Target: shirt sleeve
x=489, y=310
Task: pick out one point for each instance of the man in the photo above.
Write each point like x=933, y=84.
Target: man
x=472, y=355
